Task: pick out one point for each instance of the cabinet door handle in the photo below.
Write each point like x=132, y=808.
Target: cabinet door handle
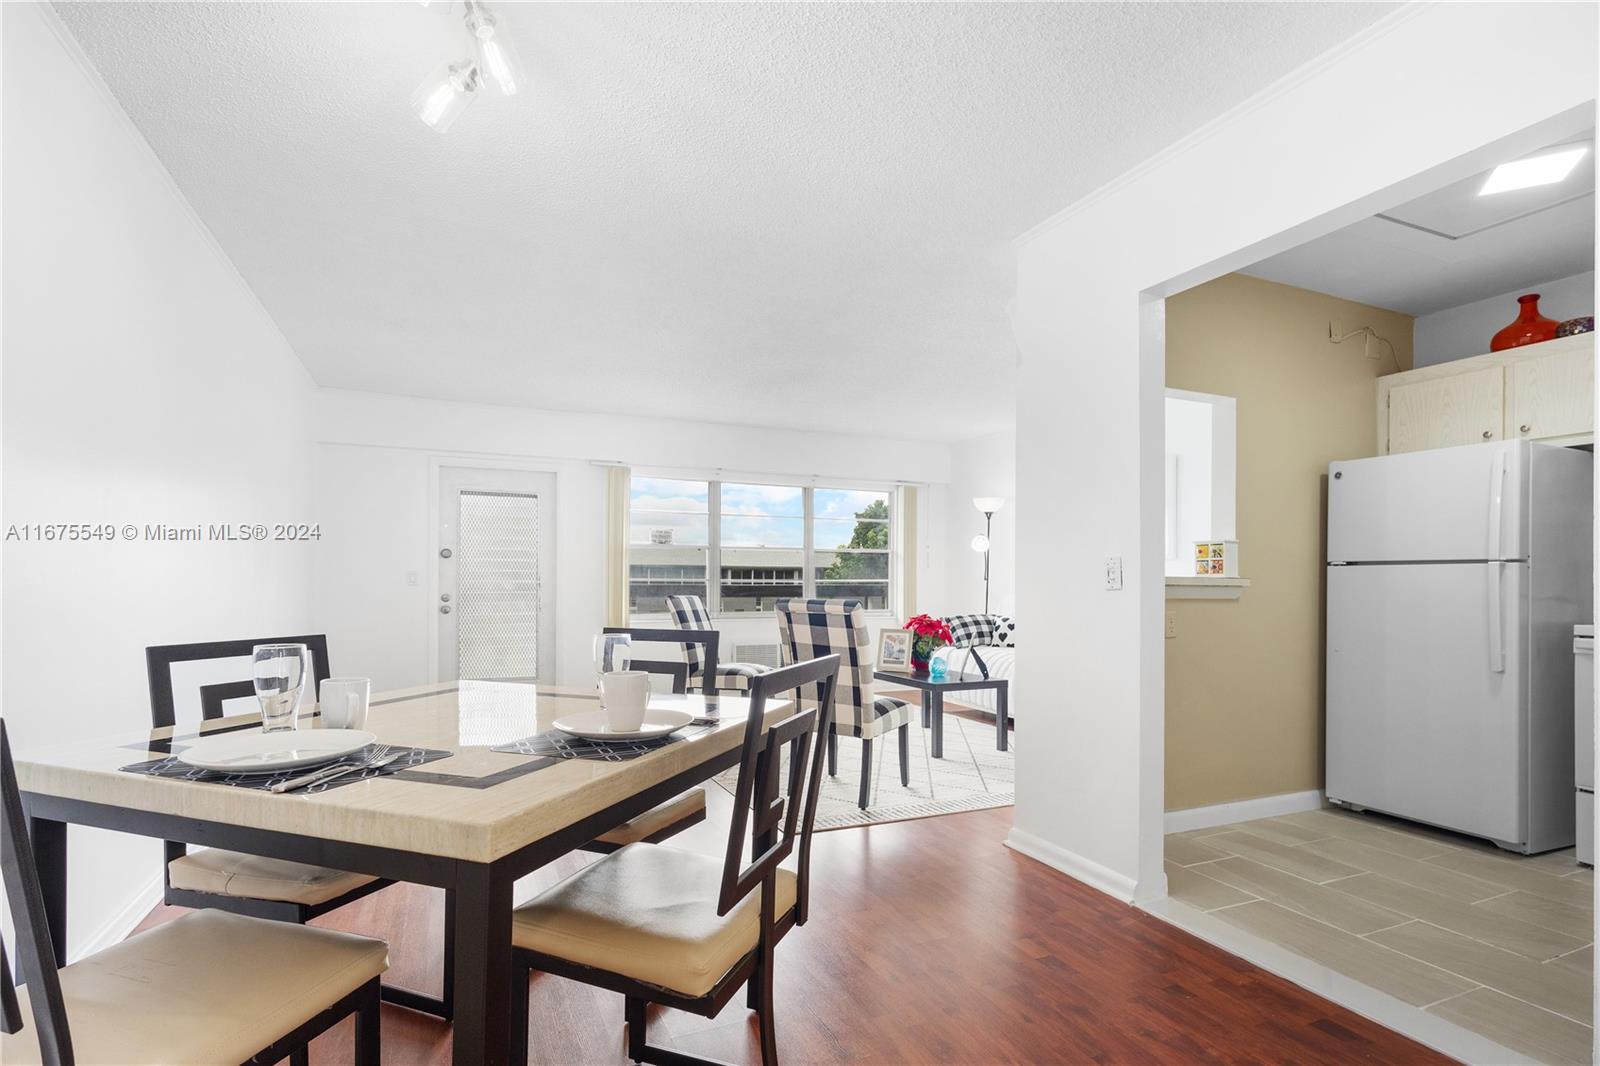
x=1488, y=434
x=1524, y=428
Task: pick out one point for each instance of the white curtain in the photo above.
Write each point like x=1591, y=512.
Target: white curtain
x=617, y=484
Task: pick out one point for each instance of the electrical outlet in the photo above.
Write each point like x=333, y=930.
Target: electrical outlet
x=411, y=577
x=1172, y=624
x=1113, y=573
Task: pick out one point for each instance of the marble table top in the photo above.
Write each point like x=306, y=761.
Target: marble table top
x=477, y=805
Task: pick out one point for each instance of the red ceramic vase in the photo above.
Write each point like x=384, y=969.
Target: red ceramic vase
x=1530, y=327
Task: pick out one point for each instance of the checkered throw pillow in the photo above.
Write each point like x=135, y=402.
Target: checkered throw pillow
x=971, y=630
x=1005, y=631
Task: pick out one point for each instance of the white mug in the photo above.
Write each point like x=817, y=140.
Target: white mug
x=344, y=702
x=625, y=694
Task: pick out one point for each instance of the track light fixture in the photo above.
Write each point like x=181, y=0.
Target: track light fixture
x=452, y=86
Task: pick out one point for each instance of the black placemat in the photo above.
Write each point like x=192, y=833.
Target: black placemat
x=556, y=745
x=172, y=767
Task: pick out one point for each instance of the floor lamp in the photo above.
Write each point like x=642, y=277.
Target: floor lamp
x=988, y=505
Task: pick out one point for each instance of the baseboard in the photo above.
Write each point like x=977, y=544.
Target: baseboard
x=119, y=925
x=1242, y=811
x=1072, y=864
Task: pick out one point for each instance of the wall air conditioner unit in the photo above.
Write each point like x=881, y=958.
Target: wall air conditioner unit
x=759, y=654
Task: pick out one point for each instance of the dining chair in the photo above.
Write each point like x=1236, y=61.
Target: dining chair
x=206, y=988
x=663, y=925
x=671, y=818
x=689, y=612
x=252, y=884
x=809, y=628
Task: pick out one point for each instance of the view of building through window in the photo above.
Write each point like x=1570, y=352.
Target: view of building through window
x=761, y=552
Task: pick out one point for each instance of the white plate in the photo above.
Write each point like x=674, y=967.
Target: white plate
x=591, y=725
x=255, y=752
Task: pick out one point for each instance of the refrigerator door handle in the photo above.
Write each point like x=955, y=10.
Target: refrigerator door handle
x=1497, y=636
x=1497, y=492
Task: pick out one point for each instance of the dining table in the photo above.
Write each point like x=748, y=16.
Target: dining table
x=471, y=819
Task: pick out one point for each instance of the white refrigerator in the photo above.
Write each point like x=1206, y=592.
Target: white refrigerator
x=1455, y=577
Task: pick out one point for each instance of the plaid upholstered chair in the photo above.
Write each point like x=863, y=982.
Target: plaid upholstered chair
x=810, y=629
x=688, y=612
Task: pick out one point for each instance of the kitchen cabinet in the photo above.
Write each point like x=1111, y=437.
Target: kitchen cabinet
x=1539, y=392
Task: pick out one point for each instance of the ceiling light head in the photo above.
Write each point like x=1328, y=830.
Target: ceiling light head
x=496, y=55
x=445, y=93
x=1547, y=168
x=988, y=504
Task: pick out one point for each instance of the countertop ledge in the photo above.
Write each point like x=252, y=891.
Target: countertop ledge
x=1206, y=588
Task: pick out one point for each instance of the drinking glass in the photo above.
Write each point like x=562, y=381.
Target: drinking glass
x=280, y=676
x=612, y=652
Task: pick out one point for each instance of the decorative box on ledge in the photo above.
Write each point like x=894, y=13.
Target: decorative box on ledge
x=1216, y=558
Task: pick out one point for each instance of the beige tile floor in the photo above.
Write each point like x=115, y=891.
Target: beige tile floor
x=1497, y=943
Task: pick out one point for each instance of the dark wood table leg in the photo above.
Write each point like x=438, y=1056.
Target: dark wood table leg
x=1002, y=704
x=49, y=839
x=937, y=700
x=482, y=970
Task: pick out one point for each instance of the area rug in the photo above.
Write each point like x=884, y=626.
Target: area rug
x=972, y=776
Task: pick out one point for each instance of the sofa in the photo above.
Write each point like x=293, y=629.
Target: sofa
x=983, y=645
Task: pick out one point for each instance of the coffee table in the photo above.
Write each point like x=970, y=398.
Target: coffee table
x=933, y=701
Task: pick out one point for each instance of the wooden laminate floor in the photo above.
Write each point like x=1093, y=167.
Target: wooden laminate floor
x=1498, y=943
x=930, y=942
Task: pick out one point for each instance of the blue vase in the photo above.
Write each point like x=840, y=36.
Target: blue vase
x=938, y=667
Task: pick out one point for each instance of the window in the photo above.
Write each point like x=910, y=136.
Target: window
x=770, y=542
x=1201, y=432
x=669, y=541
x=763, y=546
x=850, y=535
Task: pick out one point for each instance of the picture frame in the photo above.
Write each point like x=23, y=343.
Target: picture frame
x=894, y=649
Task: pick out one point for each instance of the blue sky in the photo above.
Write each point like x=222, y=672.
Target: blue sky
x=752, y=515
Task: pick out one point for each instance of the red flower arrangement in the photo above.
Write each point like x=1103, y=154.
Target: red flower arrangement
x=931, y=633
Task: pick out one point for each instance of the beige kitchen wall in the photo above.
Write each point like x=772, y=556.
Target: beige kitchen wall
x=1245, y=677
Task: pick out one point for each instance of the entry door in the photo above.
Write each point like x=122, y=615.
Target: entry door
x=496, y=554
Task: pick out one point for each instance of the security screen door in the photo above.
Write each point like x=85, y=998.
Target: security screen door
x=496, y=557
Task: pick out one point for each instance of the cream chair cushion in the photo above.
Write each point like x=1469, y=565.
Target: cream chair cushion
x=231, y=873
x=208, y=988
x=656, y=819
x=649, y=912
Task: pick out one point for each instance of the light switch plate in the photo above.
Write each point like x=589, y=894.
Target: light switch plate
x=1113, y=573
x=1172, y=624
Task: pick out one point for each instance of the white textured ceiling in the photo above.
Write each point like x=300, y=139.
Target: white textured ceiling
x=1452, y=246
x=784, y=214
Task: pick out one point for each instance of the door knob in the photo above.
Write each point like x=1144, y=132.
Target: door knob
x=444, y=597
x=445, y=609
x=1524, y=428
x=1488, y=433
x=445, y=553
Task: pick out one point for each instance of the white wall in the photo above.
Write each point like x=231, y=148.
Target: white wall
x=1273, y=173
x=984, y=466
x=143, y=383
x=375, y=486
x=1460, y=332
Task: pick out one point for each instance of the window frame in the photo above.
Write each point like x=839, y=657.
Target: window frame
x=808, y=550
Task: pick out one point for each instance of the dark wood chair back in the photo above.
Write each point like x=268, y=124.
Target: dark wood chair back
x=35, y=954
x=160, y=659
x=709, y=638
x=782, y=820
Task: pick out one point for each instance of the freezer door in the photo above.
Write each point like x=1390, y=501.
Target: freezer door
x=1425, y=715
x=1444, y=504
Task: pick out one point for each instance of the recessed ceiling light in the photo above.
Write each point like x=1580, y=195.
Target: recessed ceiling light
x=1544, y=169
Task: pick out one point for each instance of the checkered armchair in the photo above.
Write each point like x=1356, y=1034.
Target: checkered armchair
x=809, y=629
x=688, y=612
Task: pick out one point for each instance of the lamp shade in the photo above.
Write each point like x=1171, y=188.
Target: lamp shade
x=980, y=544
x=988, y=504
x=440, y=99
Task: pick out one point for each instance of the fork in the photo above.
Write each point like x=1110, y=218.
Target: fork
x=381, y=756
